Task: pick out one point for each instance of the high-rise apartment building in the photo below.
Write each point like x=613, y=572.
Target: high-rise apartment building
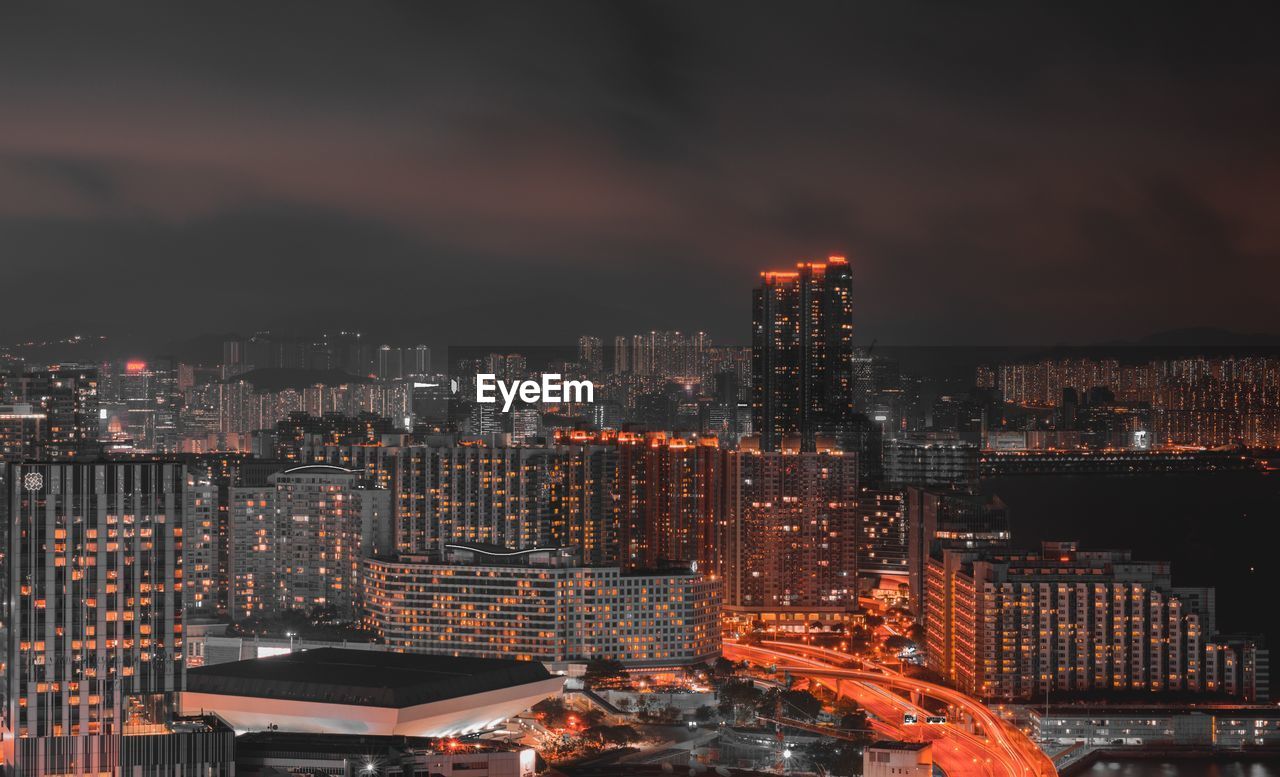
x=417, y=360
x=941, y=519
x=201, y=581
x=591, y=354
x=297, y=542
x=1011, y=625
x=92, y=628
x=802, y=356
x=671, y=500
x=791, y=537
x=455, y=492
x=390, y=363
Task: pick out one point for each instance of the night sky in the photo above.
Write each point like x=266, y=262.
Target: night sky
x=527, y=172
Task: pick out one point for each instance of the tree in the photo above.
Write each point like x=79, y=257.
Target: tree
x=704, y=712
x=842, y=759
x=854, y=721
x=874, y=621
x=800, y=704
x=611, y=736
x=736, y=693
x=551, y=712
x=898, y=642
x=605, y=669
x=722, y=667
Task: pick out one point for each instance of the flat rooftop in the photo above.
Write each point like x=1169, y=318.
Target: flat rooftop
x=886, y=744
x=366, y=678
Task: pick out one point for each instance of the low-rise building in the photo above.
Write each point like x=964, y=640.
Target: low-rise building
x=542, y=605
x=1145, y=725
x=334, y=691
x=268, y=754
x=897, y=759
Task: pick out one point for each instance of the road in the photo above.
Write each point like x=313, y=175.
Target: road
x=1000, y=750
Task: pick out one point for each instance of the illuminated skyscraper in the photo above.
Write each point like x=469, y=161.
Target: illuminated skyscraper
x=93, y=639
x=390, y=363
x=418, y=360
x=802, y=356
x=591, y=354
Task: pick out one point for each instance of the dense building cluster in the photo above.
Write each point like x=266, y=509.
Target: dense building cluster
x=1226, y=400
x=704, y=489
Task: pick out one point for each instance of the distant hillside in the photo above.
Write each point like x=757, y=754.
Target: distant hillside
x=1210, y=336
x=281, y=378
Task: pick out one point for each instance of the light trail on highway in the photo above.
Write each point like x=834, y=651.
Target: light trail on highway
x=1001, y=752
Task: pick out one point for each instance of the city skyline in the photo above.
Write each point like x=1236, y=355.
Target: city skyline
x=589, y=389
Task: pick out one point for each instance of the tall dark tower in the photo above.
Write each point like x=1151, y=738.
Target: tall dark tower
x=802, y=356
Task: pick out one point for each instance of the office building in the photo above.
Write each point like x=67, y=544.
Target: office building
x=882, y=529
x=802, y=356
x=542, y=605
x=23, y=432
x=93, y=632
x=938, y=461
x=67, y=395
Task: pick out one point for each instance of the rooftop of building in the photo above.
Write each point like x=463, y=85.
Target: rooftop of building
x=888, y=744
x=1122, y=710
x=363, y=678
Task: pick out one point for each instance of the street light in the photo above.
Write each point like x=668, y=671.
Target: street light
x=291, y=635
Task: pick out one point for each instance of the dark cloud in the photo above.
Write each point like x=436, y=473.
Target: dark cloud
x=462, y=172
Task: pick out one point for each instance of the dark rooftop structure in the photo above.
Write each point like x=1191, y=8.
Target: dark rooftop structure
x=889, y=744
x=363, y=677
